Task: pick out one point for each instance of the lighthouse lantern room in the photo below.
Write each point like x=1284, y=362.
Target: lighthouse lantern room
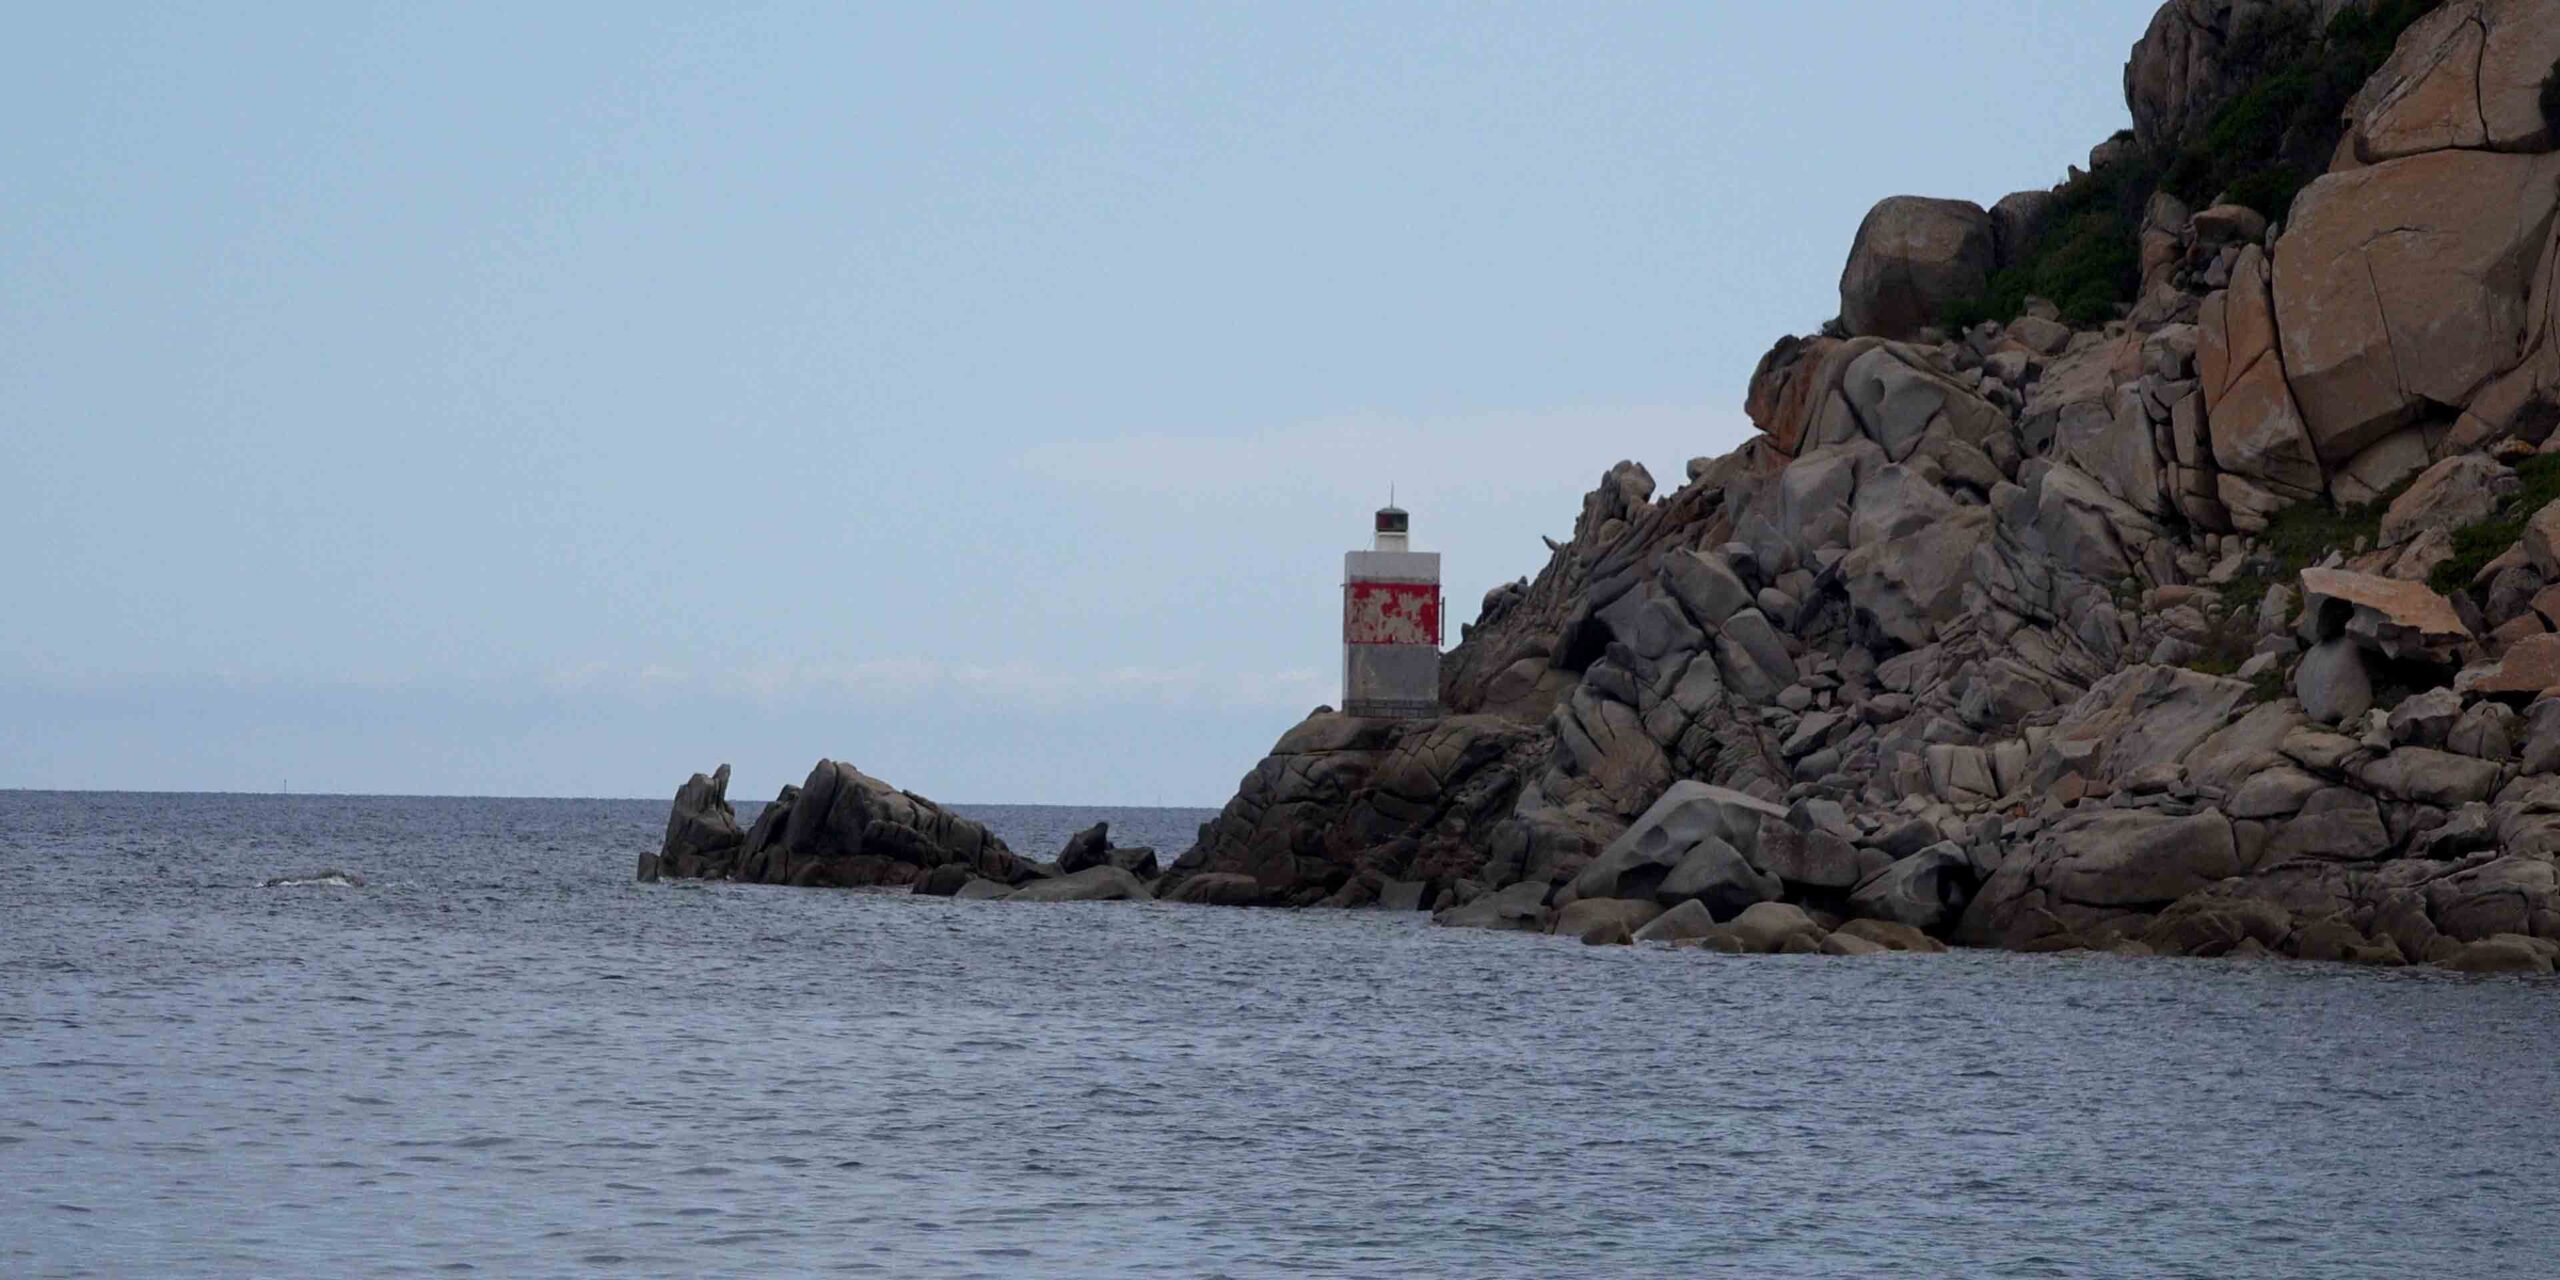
x=1391, y=624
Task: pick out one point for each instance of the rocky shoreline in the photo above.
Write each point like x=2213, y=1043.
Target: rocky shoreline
x=2165, y=563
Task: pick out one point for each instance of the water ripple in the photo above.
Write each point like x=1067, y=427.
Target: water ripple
x=500, y=1057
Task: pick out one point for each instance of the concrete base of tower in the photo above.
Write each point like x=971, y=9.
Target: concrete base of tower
x=1391, y=679
x=1373, y=709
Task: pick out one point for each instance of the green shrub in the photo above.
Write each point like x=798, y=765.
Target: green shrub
x=2260, y=149
x=2474, y=546
x=2093, y=264
x=2551, y=100
x=2269, y=191
x=2270, y=684
x=2230, y=637
x=2272, y=139
x=2303, y=535
x=2087, y=261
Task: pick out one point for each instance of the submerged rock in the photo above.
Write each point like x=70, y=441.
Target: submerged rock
x=328, y=878
x=1104, y=883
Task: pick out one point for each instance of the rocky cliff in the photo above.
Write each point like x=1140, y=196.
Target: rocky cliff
x=2165, y=561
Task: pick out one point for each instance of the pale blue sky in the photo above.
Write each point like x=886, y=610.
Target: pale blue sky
x=552, y=399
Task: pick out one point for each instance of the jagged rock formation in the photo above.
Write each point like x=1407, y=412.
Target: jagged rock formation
x=842, y=827
x=2039, y=636
x=1345, y=807
x=2194, y=59
x=702, y=830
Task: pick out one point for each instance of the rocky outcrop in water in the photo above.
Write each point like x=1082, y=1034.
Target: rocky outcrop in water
x=702, y=831
x=1344, y=806
x=2216, y=612
x=841, y=827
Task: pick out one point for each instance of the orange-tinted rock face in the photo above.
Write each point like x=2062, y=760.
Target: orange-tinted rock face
x=2405, y=285
x=2530, y=665
x=1780, y=400
x=2468, y=75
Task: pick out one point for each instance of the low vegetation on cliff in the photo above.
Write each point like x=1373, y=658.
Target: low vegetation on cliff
x=2257, y=151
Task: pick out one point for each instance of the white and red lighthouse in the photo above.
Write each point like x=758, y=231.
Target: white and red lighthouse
x=1391, y=624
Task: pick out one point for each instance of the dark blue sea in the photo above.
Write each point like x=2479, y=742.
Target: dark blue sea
x=501, y=1057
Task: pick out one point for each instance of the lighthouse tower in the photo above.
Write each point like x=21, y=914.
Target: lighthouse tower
x=1391, y=625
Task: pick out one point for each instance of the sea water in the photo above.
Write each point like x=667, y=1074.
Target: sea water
x=499, y=1056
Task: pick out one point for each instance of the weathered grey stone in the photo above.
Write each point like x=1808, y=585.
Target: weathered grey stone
x=1926, y=891
x=2130, y=858
x=1090, y=847
x=2541, y=540
x=1961, y=773
x=944, y=881
x=2087, y=530
x=848, y=829
x=1752, y=657
x=1519, y=907
x=2425, y=719
x=2334, y=824
x=2274, y=792
x=1912, y=256
x=2464, y=489
x=1662, y=630
x=2467, y=76
x=1714, y=874
x=1579, y=917
x=1767, y=927
x=2528, y=669
x=2379, y=467
x=1684, y=921
x=2425, y=776
x=1891, y=935
x=702, y=830
x=2542, y=737
x=1812, y=500
x=1401, y=895
x=2217, y=926
x=1816, y=859
x=2331, y=682
x=1850, y=944
x=2500, y=953
x=2337, y=941
x=1905, y=588
x=1105, y=883
x=2405, y=284
x=1705, y=585
x=2017, y=220
x=2504, y=895
x=2468, y=829
x=2140, y=716
x=2383, y=615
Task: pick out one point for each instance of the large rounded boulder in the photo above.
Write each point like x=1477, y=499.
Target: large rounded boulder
x=1914, y=255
